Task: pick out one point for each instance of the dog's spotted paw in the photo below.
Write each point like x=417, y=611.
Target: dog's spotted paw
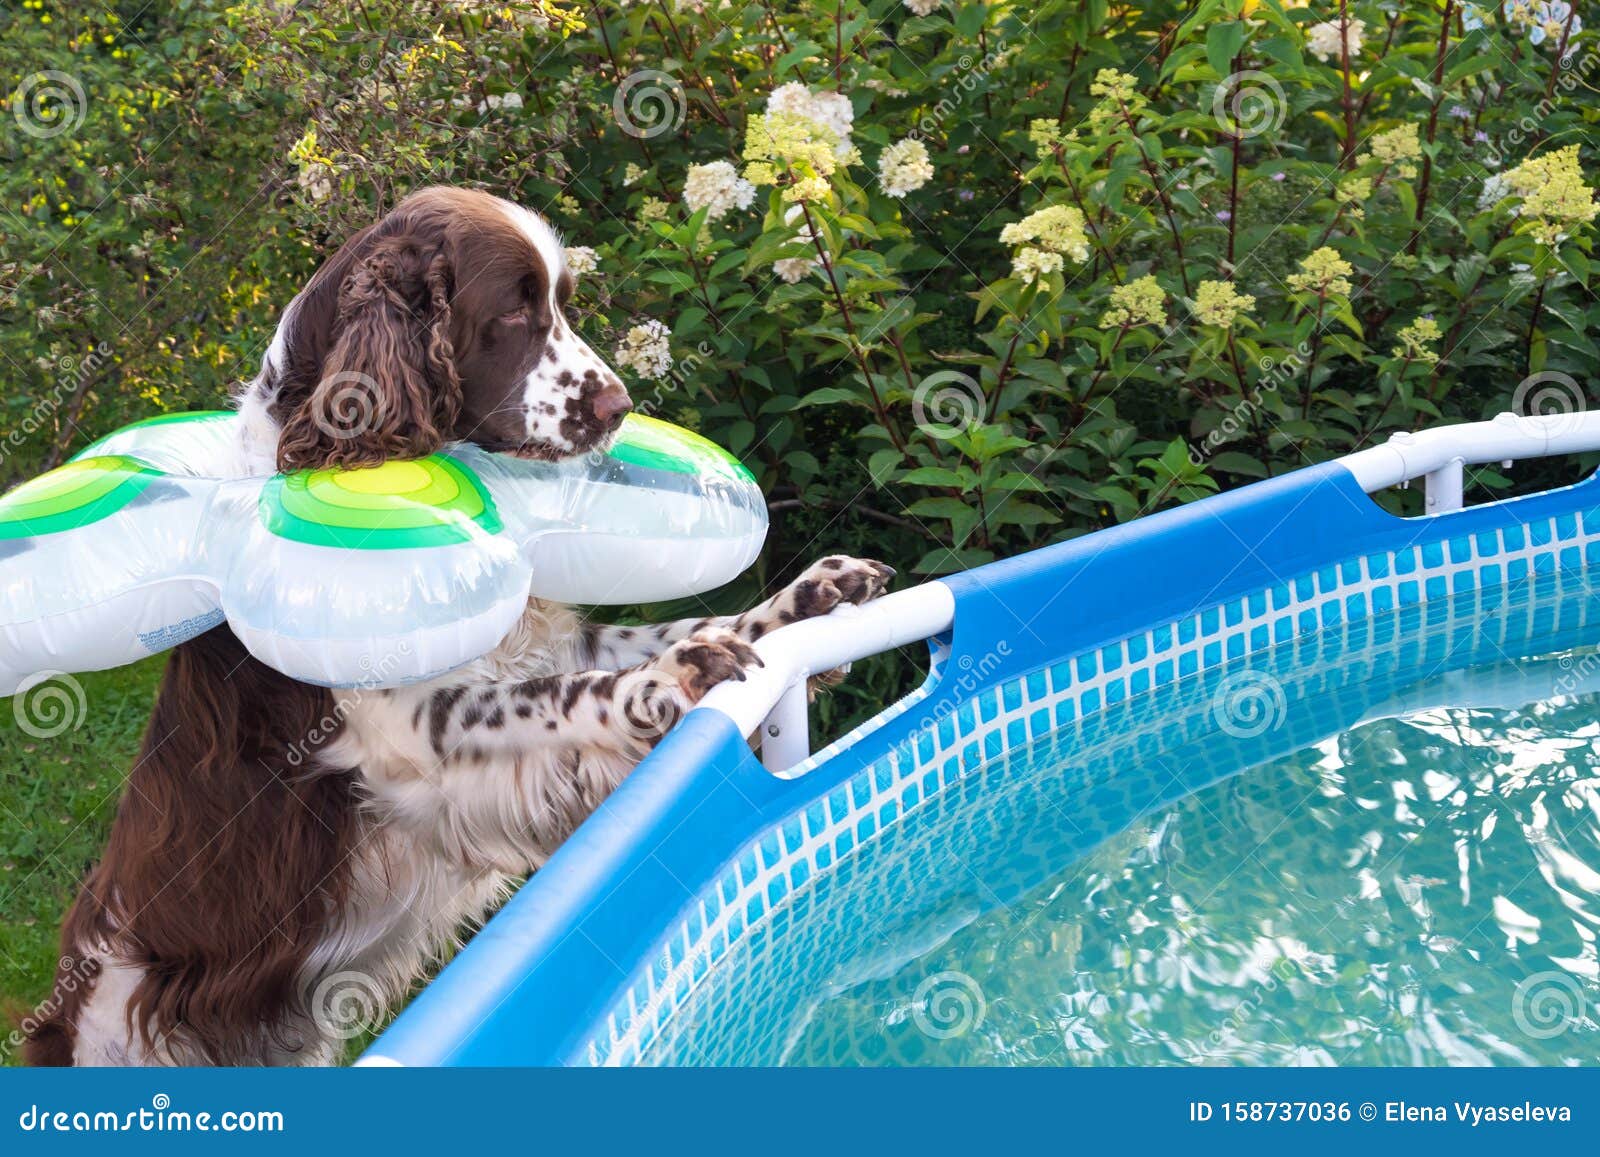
x=825, y=584
x=710, y=656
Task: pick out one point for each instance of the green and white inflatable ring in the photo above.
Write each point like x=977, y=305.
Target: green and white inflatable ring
x=365, y=577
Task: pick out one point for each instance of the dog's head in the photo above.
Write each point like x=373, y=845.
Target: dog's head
x=445, y=320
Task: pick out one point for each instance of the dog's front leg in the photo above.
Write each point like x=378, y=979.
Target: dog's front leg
x=626, y=711
x=825, y=584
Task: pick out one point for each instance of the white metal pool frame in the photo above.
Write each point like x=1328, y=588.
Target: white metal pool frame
x=770, y=705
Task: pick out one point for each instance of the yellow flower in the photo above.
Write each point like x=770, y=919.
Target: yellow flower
x=1415, y=340
x=1324, y=273
x=1397, y=145
x=1138, y=302
x=1119, y=97
x=1108, y=82
x=761, y=173
x=1555, y=199
x=807, y=189
x=1354, y=190
x=1218, y=303
x=1045, y=133
x=1056, y=228
x=792, y=141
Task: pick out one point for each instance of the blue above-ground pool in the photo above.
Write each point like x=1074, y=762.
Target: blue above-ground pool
x=1275, y=777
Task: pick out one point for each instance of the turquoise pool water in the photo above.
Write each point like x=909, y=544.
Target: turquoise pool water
x=1379, y=844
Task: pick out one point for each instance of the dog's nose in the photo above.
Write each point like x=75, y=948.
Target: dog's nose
x=611, y=403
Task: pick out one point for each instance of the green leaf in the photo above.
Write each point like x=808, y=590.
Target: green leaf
x=939, y=507
x=1223, y=42
x=943, y=560
x=1017, y=512
x=829, y=395
x=1234, y=462
x=1017, y=481
x=937, y=476
x=882, y=464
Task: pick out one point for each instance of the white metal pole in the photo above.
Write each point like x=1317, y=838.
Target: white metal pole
x=786, y=732
x=1445, y=485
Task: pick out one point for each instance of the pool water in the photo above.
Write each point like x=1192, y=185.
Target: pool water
x=1379, y=844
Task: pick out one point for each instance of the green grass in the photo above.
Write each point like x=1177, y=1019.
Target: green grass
x=57, y=797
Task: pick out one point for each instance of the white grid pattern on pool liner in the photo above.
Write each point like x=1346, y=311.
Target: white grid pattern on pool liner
x=938, y=653
x=750, y=1019
x=998, y=718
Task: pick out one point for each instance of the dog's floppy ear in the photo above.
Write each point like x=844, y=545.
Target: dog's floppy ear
x=387, y=387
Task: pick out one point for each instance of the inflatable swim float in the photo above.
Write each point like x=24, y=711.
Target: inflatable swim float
x=360, y=577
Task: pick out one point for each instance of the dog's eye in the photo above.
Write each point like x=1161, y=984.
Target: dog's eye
x=515, y=317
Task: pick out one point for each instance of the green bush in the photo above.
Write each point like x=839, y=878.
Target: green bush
x=956, y=279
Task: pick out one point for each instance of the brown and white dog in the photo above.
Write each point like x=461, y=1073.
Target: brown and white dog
x=273, y=836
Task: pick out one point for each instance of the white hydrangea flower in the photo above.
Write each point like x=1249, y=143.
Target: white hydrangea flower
x=581, y=259
x=795, y=215
x=645, y=350
x=631, y=175
x=1323, y=39
x=500, y=100
x=832, y=110
x=1495, y=189
x=317, y=181
x=904, y=167
x=792, y=97
x=883, y=86
x=793, y=269
x=922, y=7
x=717, y=187
x=1030, y=264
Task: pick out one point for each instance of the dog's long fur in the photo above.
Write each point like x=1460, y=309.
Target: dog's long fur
x=286, y=861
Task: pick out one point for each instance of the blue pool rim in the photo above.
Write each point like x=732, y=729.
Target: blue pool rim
x=543, y=982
